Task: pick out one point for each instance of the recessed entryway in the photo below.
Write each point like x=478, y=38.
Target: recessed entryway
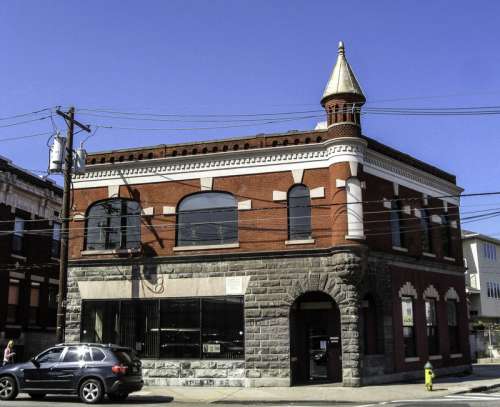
x=315, y=343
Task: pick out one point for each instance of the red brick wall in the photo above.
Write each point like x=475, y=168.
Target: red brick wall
x=265, y=226
x=421, y=279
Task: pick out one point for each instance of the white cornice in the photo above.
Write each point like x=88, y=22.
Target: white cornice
x=265, y=160
x=16, y=193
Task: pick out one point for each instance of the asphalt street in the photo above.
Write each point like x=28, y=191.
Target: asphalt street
x=483, y=399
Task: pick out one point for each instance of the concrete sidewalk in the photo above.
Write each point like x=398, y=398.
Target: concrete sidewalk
x=483, y=377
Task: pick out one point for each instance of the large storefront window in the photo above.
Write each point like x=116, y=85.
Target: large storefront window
x=200, y=328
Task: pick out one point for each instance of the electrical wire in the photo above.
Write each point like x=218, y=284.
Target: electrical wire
x=25, y=121
x=25, y=137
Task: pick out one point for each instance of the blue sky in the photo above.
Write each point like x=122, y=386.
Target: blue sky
x=226, y=57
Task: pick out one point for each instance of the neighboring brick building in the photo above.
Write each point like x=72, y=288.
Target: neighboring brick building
x=29, y=264
x=272, y=260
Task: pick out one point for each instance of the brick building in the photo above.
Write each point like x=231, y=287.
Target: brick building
x=307, y=256
x=29, y=265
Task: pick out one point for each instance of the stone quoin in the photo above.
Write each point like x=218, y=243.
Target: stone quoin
x=273, y=260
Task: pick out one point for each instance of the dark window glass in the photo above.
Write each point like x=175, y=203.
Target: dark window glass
x=207, y=218
x=446, y=240
x=123, y=356
x=396, y=224
x=410, y=346
x=148, y=338
x=222, y=330
x=425, y=231
x=100, y=321
x=52, y=291
x=51, y=356
x=299, y=213
x=18, y=236
x=189, y=328
x=453, y=333
x=56, y=240
x=97, y=355
x=432, y=326
x=113, y=224
x=180, y=329
x=74, y=354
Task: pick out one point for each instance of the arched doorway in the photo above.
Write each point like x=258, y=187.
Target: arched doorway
x=315, y=344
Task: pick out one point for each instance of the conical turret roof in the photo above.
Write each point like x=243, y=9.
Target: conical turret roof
x=342, y=79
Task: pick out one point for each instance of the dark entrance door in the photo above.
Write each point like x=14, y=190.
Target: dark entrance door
x=315, y=347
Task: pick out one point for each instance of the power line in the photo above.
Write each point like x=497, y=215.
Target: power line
x=25, y=137
x=25, y=121
x=179, y=225
x=16, y=116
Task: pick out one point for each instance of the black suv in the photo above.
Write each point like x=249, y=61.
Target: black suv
x=87, y=369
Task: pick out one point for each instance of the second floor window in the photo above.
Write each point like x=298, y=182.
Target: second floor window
x=425, y=230
x=489, y=251
x=397, y=233
x=446, y=236
x=299, y=213
x=207, y=218
x=17, y=236
x=113, y=224
x=56, y=240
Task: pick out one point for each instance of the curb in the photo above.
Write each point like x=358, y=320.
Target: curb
x=289, y=402
x=478, y=389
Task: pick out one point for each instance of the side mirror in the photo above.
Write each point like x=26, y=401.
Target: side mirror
x=35, y=362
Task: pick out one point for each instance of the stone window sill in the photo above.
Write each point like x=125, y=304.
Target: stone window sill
x=400, y=249
x=432, y=255
x=410, y=360
x=299, y=241
x=449, y=258
x=109, y=251
x=355, y=237
x=435, y=357
x=207, y=247
x=456, y=355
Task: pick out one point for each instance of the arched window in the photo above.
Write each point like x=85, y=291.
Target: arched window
x=113, y=224
x=207, y=218
x=299, y=213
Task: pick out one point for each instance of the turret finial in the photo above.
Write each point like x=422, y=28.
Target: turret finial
x=341, y=48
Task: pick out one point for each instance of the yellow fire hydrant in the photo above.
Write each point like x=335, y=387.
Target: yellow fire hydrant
x=429, y=375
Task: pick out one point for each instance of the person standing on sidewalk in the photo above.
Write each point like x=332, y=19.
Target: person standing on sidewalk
x=8, y=354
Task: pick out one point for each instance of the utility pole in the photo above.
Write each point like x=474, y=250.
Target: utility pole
x=63, y=260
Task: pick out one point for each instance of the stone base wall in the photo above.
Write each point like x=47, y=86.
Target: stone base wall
x=415, y=374
x=221, y=373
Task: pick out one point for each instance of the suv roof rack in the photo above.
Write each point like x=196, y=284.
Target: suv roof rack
x=102, y=345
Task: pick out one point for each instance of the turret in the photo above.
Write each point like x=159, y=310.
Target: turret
x=343, y=97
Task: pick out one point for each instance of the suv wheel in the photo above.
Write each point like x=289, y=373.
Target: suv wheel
x=8, y=388
x=91, y=391
x=117, y=396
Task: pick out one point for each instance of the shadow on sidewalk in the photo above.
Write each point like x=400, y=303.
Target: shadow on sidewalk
x=132, y=399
